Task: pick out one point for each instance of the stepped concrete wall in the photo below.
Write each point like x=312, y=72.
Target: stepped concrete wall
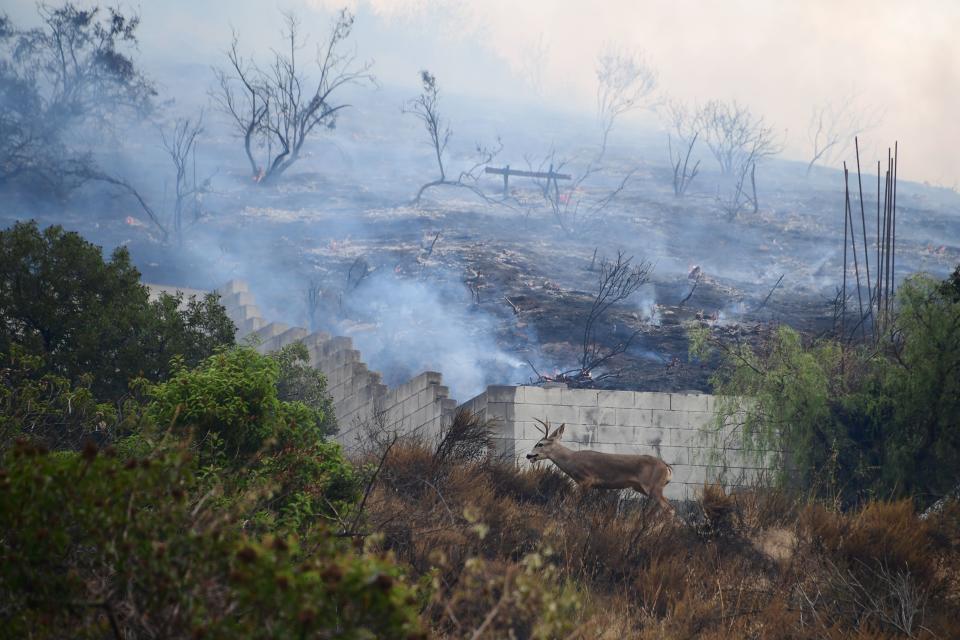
x=360, y=398
x=667, y=425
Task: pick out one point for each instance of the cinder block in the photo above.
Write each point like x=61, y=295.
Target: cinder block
x=589, y=415
x=233, y=286
x=503, y=411
x=608, y=417
x=651, y=400
x=701, y=419
x=530, y=412
x=249, y=326
x=528, y=431
x=688, y=474
x=578, y=433
x=559, y=414
x=271, y=330
x=668, y=419
x=688, y=402
x=672, y=455
x=682, y=437
x=651, y=435
x=291, y=335
x=237, y=299
x=617, y=435
x=586, y=435
x=553, y=396
x=501, y=393
x=634, y=417
x=531, y=395
x=616, y=399
x=578, y=397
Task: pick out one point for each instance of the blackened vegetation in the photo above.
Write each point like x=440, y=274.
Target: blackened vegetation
x=617, y=280
x=69, y=79
x=279, y=106
x=426, y=108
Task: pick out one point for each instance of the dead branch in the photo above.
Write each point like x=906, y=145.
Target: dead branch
x=280, y=105
x=625, y=81
x=426, y=108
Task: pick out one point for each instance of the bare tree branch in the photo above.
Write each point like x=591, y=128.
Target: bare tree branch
x=625, y=82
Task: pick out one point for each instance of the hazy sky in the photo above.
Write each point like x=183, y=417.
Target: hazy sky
x=779, y=58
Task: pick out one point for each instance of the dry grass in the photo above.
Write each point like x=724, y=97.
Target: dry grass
x=520, y=552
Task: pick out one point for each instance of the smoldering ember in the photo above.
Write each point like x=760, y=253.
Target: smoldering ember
x=468, y=320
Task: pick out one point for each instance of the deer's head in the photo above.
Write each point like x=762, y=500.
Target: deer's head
x=547, y=444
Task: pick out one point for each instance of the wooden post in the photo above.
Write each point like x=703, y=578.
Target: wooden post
x=506, y=178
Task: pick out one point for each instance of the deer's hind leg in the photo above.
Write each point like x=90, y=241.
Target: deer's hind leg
x=656, y=493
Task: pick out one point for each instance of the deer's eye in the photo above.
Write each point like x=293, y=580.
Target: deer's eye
x=539, y=444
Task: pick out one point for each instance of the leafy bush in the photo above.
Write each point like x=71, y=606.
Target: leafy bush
x=112, y=548
x=229, y=406
x=46, y=408
x=853, y=421
x=300, y=382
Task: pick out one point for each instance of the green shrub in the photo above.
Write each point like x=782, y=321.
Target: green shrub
x=853, y=421
x=242, y=432
x=104, y=547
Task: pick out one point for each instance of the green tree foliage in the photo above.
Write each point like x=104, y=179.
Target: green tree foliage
x=229, y=406
x=85, y=316
x=300, y=382
x=112, y=548
x=855, y=421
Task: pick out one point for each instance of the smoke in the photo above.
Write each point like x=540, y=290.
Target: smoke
x=403, y=327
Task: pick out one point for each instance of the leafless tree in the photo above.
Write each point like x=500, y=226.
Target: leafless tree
x=181, y=146
x=832, y=128
x=71, y=80
x=739, y=196
x=625, y=82
x=240, y=97
x=617, y=280
x=281, y=104
x=426, y=108
x=685, y=126
x=739, y=140
x=312, y=297
x=574, y=206
x=532, y=62
x=736, y=137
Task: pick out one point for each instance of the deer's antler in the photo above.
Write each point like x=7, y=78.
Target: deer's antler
x=546, y=427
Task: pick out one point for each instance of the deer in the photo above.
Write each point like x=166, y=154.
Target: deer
x=647, y=475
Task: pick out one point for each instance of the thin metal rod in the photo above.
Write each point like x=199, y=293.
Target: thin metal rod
x=893, y=252
x=843, y=294
x=886, y=249
x=877, y=296
x=863, y=224
x=848, y=212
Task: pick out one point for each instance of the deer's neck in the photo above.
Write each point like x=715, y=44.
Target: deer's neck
x=563, y=458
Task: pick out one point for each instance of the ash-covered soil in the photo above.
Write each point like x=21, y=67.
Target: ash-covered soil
x=505, y=276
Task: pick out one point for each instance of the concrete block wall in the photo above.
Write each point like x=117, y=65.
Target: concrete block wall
x=421, y=405
x=666, y=425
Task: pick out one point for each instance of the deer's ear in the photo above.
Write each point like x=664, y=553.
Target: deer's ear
x=559, y=432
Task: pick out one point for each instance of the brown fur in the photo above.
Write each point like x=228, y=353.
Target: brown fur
x=595, y=470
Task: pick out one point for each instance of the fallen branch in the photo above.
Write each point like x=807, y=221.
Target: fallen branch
x=764, y=303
